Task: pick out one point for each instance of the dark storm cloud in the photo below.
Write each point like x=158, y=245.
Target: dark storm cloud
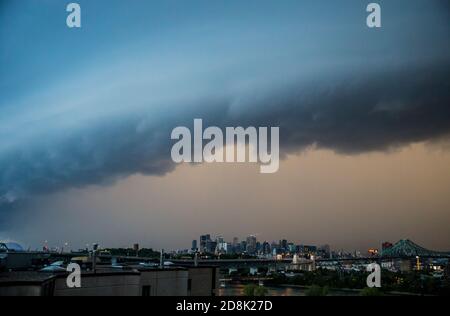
x=97, y=156
x=372, y=113
x=88, y=107
x=354, y=113
x=351, y=115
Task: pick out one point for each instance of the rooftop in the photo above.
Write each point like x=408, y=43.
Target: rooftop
x=25, y=277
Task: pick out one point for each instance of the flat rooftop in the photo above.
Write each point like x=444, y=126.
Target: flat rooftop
x=25, y=278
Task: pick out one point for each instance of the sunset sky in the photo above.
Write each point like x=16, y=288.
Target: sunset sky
x=86, y=116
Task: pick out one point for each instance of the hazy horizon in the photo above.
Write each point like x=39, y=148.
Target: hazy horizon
x=337, y=204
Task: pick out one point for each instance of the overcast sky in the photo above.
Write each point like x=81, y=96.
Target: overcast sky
x=86, y=116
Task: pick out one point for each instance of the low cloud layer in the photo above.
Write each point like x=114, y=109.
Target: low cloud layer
x=97, y=126
x=353, y=115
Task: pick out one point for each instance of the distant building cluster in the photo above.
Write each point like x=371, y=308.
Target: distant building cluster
x=199, y=271
x=251, y=246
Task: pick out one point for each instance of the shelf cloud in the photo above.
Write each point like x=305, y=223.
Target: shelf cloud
x=102, y=118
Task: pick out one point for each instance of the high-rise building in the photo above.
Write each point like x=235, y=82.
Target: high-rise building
x=210, y=246
x=194, y=245
x=222, y=247
x=204, y=239
x=274, y=248
x=266, y=248
x=291, y=247
x=235, y=246
x=284, y=244
x=251, y=245
x=220, y=240
x=324, y=251
x=243, y=246
x=309, y=250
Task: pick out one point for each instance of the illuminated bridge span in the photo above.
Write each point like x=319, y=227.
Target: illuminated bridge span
x=405, y=248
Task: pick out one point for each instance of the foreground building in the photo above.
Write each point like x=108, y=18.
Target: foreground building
x=179, y=281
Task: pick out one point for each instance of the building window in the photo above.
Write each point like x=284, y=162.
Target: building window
x=146, y=290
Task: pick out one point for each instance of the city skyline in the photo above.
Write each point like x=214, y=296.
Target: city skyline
x=200, y=245
x=86, y=116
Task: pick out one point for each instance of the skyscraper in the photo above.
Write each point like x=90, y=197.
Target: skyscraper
x=243, y=246
x=210, y=246
x=251, y=245
x=324, y=251
x=284, y=244
x=204, y=239
x=266, y=248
